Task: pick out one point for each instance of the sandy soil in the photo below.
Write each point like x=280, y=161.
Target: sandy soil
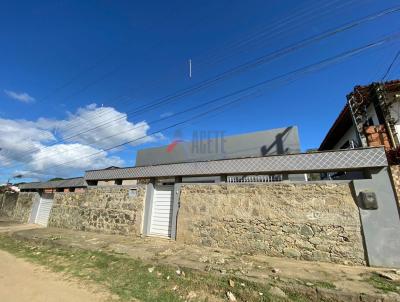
x=350, y=279
x=346, y=278
x=23, y=281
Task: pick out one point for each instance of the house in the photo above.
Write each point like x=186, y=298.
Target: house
x=206, y=146
x=370, y=118
x=77, y=184
x=221, y=201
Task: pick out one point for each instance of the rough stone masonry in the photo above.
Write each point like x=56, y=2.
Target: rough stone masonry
x=110, y=210
x=17, y=205
x=317, y=222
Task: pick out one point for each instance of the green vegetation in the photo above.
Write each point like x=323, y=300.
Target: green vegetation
x=324, y=284
x=133, y=279
x=383, y=284
x=314, y=283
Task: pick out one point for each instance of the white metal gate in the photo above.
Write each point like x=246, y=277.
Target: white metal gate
x=43, y=211
x=161, y=214
x=34, y=212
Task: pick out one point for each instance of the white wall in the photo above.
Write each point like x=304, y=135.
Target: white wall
x=351, y=134
x=105, y=183
x=129, y=182
x=395, y=111
x=371, y=113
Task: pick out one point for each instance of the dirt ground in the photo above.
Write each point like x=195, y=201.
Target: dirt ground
x=255, y=267
x=23, y=281
x=352, y=280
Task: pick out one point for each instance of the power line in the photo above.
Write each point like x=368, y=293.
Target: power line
x=238, y=69
x=316, y=12
x=390, y=66
x=263, y=59
x=97, y=63
x=102, y=113
x=275, y=31
x=255, y=62
x=274, y=27
x=297, y=72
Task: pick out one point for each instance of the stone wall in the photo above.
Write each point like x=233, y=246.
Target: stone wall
x=18, y=205
x=395, y=173
x=9, y=201
x=23, y=209
x=107, y=209
x=305, y=221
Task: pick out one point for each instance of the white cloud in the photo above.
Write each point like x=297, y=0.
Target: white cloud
x=20, y=96
x=111, y=128
x=17, y=137
x=61, y=159
x=37, y=148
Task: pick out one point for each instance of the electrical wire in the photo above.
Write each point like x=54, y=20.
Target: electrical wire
x=255, y=62
x=304, y=70
x=301, y=17
x=241, y=68
x=390, y=66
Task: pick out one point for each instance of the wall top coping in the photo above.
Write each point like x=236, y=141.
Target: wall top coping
x=339, y=160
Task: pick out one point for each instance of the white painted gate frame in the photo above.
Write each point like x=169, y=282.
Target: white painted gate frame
x=39, y=207
x=153, y=208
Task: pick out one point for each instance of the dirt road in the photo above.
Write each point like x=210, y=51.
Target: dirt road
x=23, y=281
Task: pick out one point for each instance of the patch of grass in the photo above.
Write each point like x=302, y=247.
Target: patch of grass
x=382, y=283
x=324, y=284
x=317, y=283
x=298, y=298
x=131, y=279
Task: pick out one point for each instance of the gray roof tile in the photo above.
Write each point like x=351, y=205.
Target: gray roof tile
x=293, y=163
x=65, y=183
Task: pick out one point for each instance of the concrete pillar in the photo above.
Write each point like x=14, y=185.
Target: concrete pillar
x=380, y=227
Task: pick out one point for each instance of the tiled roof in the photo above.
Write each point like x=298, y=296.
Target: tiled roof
x=344, y=121
x=65, y=183
x=293, y=163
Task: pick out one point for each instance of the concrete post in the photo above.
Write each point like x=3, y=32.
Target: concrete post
x=380, y=227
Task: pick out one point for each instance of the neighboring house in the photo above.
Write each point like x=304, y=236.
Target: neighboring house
x=213, y=145
x=77, y=184
x=113, y=182
x=262, y=143
x=370, y=118
x=203, y=148
x=195, y=203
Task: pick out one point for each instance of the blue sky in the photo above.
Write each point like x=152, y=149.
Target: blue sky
x=69, y=66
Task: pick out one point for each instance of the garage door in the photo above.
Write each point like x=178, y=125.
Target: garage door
x=161, y=214
x=43, y=211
